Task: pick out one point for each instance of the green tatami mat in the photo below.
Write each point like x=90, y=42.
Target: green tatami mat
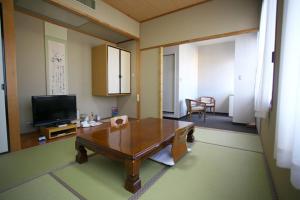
x=211, y=172
x=23, y=165
x=44, y=187
x=246, y=141
x=101, y=178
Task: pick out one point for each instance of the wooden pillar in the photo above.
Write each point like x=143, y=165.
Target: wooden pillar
x=11, y=74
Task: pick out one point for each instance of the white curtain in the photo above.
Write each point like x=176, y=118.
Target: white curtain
x=287, y=146
x=266, y=45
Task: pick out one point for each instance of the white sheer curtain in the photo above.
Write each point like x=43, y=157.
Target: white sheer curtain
x=287, y=147
x=266, y=44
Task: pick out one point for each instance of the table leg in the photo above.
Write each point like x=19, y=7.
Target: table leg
x=81, y=156
x=133, y=182
x=190, y=136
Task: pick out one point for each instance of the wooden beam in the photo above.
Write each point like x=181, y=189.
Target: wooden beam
x=125, y=41
x=57, y=3
x=47, y=19
x=240, y=32
x=11, y=74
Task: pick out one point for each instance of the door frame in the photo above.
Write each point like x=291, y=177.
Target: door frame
x=5, y=82
x=137, y=78
x=160, y=75
x=9, y=46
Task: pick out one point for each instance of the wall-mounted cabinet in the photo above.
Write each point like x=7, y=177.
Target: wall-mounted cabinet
x=110, y=71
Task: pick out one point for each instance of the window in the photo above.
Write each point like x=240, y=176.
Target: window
x=266, y=45
x=287, y=146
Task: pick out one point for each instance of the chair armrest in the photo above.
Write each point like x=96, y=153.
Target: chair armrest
x=213, y=100
x=198, y=102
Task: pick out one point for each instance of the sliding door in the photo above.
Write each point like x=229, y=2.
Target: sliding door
x=125, y=72
x=150, y=79
x=3, y=122
x=113, y=63
x=169, y=83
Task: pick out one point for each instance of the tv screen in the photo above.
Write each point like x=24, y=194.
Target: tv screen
x=54, y=109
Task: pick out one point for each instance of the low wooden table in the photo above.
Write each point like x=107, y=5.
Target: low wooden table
x=131, y=144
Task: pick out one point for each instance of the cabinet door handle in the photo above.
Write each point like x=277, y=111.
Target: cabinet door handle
x=3, y=86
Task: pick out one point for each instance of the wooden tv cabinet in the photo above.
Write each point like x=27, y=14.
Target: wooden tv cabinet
x=55, y=132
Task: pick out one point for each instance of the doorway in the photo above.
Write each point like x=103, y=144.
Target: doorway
x=3, y=111
x=213, y=72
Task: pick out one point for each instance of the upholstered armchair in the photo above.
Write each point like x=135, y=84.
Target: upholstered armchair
x=210, y=103
x=195, y=106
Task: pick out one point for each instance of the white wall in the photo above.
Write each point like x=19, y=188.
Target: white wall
x=127, y=105
x=216, y=73
x=31, y=71
x=188, y=75
x=244, y=78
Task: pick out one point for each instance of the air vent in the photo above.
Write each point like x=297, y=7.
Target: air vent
x=89, y=3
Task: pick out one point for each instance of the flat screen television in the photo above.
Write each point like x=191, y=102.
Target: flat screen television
x=53, y=109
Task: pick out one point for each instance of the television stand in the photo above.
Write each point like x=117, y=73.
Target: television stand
x=62, y=125
x=55, y=132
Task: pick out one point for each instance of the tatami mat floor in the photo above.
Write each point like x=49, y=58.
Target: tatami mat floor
x=222, y=165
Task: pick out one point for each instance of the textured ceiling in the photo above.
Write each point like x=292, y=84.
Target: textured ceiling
x=142, y=10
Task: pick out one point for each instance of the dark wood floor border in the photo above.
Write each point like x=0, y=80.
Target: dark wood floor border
x=33, y=178
x=65, y=185
x=149, y=184
x=231, y=131
x=271, y=181
x=237, y=148
x=42, y=174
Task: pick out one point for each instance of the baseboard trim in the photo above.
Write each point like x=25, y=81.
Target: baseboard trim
x=244, y=124
x=219, y=113
x=174, y=118
x=237, y=123
x=168, y=112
